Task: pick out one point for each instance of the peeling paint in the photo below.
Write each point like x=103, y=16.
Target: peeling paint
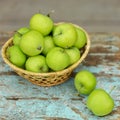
x=21, y=100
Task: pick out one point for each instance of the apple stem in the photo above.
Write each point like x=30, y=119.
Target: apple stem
x=48, y=15
x=52, y=11
x=39, y=48
x=15, y=31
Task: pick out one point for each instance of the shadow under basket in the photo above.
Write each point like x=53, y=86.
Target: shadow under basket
x=50, y=78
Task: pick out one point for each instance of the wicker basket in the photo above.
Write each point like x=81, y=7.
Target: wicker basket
x=46, y=79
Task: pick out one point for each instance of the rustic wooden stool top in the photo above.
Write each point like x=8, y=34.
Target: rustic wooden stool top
x=21, y=100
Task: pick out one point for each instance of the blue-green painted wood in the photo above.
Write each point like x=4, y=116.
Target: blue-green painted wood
x=21, y=100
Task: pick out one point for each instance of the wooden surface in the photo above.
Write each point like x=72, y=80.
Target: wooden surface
x=21, y=100
x=93, y=15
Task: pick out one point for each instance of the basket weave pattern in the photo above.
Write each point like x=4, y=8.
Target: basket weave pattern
x=45, y=79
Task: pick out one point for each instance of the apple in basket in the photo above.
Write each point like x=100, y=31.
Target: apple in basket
x=18, y=34
x=81, y=38
x=74, y=54
x=36, y=64
x=57, y=59
x=32, y=43
x=64, y=35
x=16, y=56
x=48, y=44
x=41, y=23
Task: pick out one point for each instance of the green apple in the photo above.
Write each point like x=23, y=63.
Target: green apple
x=74, y=54
x=81, y=39
x=57, y=59
x=16, y=56
x=32, y=43
x=37, y=64
x=100, y=102
x=17, y=36
x=48, y=44
x=64, y=35
x=41, y=23
x=85, y=82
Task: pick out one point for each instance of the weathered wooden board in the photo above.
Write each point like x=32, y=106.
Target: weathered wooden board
x=21, y=100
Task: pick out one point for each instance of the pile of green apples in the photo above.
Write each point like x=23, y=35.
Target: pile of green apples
x=45, y=46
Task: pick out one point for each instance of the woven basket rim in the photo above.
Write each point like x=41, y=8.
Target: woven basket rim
x=70, y=68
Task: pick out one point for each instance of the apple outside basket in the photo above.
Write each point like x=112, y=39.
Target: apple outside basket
x=46, y=79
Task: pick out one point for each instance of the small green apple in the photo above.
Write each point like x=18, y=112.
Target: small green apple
x=41, y=23
x=48, y=44
x=16, y=56
x=100, y=102
x=36, y=64
x=32, y=43
x=17, y=36
x=81, y=38
x=85, y=82
x=74, y=54
x=64, y=35
x=57, y=59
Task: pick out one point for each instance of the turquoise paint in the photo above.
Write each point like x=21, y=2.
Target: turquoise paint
x=21, y=100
